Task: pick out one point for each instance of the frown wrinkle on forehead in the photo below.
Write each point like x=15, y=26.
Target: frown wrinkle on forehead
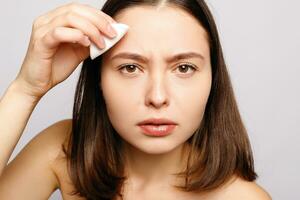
x=168, y=34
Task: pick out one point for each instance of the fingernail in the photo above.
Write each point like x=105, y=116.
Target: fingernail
x=101, y=43
x=111, y=30
x=86, y=41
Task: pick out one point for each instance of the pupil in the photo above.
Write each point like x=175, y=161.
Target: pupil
x=184, y=67
x=131, y=68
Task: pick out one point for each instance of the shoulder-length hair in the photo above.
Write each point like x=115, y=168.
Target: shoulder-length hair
x=220, y=147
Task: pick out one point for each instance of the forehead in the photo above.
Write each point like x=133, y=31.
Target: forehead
x=160, y=30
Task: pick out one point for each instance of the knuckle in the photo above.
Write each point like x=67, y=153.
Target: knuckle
x=94, y=32
x=79, y=32
x=69, y=15
x=37, y=38
x=36, y=34
x=35, y=44
x=107, y=17
x=73, y=6
x=36, y=22
x=85, y=5
x=56, y=32
x=106, y=23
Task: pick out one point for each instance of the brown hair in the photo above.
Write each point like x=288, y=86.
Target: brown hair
x=94, y=154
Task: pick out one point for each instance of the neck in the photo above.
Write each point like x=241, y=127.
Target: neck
x=146, y=170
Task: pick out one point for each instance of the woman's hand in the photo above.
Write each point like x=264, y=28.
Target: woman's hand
x=58, y=44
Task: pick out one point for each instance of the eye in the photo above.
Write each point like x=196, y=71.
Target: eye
x=184, y=68
x=130, y=68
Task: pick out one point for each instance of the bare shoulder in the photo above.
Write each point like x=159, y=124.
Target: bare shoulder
x=52, y=138
x=33, y=165
x=58, y=134
x=47, y=144
x=238, y=189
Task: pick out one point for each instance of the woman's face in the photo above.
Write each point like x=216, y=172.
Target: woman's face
x=159, y=87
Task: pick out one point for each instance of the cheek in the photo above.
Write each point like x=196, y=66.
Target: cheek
x=119, y=99
x=192, y=102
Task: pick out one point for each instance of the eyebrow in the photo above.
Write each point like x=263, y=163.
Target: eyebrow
x=140, y=58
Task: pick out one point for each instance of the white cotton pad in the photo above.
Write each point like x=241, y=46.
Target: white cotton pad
x=121, y=29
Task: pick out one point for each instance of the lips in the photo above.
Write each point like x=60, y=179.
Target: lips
x=157, y=126
x=157, y=121
x=157, y=130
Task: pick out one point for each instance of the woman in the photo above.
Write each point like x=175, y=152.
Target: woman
x=154, y=117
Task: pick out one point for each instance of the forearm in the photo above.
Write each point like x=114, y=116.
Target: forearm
x=15, y=110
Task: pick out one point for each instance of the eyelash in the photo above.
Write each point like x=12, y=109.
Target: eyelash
x=190, y=66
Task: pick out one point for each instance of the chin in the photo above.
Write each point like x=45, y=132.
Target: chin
x=156, y=147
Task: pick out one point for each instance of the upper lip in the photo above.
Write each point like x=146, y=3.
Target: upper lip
x=156, y=121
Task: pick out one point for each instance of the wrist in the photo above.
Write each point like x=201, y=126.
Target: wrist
x=18, y=88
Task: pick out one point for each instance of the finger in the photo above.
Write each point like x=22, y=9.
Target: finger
x=75, y=21
x=95, y=15
x=90, y=9
x=73, y=6
x=64, y=34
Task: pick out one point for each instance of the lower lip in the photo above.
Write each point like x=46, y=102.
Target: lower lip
x=161, y=130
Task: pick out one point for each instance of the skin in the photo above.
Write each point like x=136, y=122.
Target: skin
x=156, y=89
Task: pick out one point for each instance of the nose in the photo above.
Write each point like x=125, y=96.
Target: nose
x=157, y=94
